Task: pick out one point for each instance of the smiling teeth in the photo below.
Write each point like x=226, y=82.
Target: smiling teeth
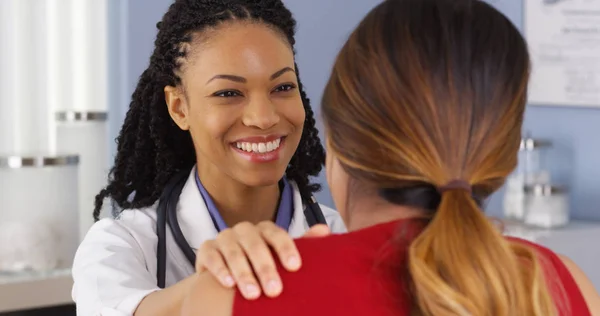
x=259, y=147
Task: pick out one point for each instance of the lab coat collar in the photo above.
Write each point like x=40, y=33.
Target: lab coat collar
x=195, y=221
x=197, y=225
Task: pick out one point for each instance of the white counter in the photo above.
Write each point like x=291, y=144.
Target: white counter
x=579, y=241
x=35, y=290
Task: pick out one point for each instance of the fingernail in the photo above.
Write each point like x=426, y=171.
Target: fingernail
x=228, y=281
x=273, y=287
x=294, y=262
x=252, y=291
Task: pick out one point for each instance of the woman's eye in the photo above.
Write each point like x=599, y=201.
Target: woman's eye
x=285, y=87
x=227, y=94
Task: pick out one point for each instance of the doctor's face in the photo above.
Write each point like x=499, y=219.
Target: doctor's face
x=240, y=101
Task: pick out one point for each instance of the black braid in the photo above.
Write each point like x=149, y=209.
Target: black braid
x=151, y=148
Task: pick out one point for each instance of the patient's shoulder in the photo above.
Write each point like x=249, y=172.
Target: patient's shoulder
x=590, y=295
x=208, y=297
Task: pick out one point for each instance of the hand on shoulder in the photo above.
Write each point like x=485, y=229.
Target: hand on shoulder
x=244, y=255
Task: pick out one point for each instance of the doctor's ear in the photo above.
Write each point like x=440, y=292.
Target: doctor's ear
x=178, y=109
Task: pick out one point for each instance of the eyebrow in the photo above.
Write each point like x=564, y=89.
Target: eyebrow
x=239, y=79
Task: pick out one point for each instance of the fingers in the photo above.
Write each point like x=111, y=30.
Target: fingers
x=260, y=257
x=208, y=257
x=240, y=253
x=228, y=243
x=319, y=230
x=283, y=245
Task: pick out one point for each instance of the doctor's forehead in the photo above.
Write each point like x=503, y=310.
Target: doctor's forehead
x=238, y=47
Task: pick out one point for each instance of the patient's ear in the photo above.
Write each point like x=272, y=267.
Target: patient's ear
x=207, y=297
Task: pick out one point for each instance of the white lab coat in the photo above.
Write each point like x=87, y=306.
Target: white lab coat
x=115, y=265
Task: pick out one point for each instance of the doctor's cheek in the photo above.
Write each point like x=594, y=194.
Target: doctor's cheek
x=239, y=254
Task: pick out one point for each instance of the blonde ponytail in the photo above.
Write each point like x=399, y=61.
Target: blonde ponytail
x=462, y=265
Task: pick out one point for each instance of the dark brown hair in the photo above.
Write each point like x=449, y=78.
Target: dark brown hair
x=429, y=91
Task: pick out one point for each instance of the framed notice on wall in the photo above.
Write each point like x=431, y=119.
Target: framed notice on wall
x=564, y=42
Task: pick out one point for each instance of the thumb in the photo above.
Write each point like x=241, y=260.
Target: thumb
x=319, y=230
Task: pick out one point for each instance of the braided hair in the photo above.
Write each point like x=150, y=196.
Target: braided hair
x=150, y=147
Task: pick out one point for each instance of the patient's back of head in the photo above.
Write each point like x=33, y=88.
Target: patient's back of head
x=423, y=110
x=423, y=93
x=425, y=104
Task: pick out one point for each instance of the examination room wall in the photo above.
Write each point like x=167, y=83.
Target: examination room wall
x=323, y=25
x=575, y=133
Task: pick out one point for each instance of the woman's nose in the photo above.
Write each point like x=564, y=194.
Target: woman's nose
x=261, y=114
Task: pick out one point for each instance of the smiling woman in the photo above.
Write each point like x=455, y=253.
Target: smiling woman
x=239, y=95
x=220, y=107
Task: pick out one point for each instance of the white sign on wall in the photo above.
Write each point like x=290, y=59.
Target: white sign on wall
x=564, y=42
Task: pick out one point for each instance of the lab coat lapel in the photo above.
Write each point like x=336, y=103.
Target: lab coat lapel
x=195, y=221
x=197, y=225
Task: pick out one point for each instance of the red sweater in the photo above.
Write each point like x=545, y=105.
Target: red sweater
x=346, y=275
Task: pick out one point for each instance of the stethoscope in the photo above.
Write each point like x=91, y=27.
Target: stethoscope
x=167, y=214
